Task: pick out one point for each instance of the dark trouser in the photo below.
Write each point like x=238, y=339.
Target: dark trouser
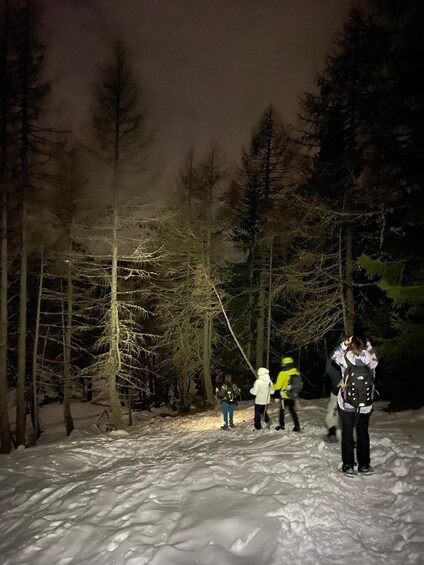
x=359, y=422
x=260, y=414
x=291, y=406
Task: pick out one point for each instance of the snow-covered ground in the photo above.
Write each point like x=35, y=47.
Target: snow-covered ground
x=181, y=491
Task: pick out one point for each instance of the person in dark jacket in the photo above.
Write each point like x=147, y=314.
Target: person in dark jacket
x=228, y=394
x=287, y=370
x=334, y=375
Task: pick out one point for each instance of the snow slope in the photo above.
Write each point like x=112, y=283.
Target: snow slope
x=181, y=491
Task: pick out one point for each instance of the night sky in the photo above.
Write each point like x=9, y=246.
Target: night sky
x=207, y=68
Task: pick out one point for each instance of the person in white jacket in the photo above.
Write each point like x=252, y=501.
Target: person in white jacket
x=355, y=351
x=262, y=390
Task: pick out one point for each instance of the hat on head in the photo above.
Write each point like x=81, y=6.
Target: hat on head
x=262, y=371
x=287, y=360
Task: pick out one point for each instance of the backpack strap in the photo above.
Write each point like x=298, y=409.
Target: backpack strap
x=348, y=361
x=345, y=378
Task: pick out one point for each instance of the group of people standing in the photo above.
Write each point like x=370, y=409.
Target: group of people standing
x=356, y=351
x=262, y=390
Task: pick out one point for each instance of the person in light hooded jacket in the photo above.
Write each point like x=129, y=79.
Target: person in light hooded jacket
x=358, y=351
x=262, y=390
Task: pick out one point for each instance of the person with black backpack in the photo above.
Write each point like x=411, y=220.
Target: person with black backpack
x=288, y=384
x=357, y=360
x=228, y=394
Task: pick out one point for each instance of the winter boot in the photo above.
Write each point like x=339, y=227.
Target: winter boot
x=348, y=470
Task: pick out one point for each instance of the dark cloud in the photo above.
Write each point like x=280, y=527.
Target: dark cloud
x=207, y=68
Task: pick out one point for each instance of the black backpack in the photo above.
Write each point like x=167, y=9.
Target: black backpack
x=358, y=385
x=295, y=386
x=230, y=395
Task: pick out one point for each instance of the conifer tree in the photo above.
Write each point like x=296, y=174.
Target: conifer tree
x=188, y=307
x=29, y=149
x=119, y=138
x=343, y=210
x=362, y=191
x=5, y=435
x=266, y=178
x=397, y=267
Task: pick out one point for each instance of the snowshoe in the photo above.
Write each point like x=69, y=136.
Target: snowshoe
x=348, y=470
x=366, y=470
x=330, y=439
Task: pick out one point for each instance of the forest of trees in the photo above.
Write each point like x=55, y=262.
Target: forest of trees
x=312, y=236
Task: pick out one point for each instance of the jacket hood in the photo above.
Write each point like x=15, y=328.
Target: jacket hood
x=262, y=372
x=287, y=361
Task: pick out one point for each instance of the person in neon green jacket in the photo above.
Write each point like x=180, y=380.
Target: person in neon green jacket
x=287, y=370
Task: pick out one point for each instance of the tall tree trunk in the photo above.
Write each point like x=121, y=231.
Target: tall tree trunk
x=260, y=320
x=350, y=303
x=20, y=400
x=206, y=360
x=114, y=353
x=36, y=422
x=5, y=435
x=269, y=309
x=68, y=322
x=341, y=284
x=183, y=382
x=249, y=345
x=67, y=354
x=207, y=324
x=130, y=413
